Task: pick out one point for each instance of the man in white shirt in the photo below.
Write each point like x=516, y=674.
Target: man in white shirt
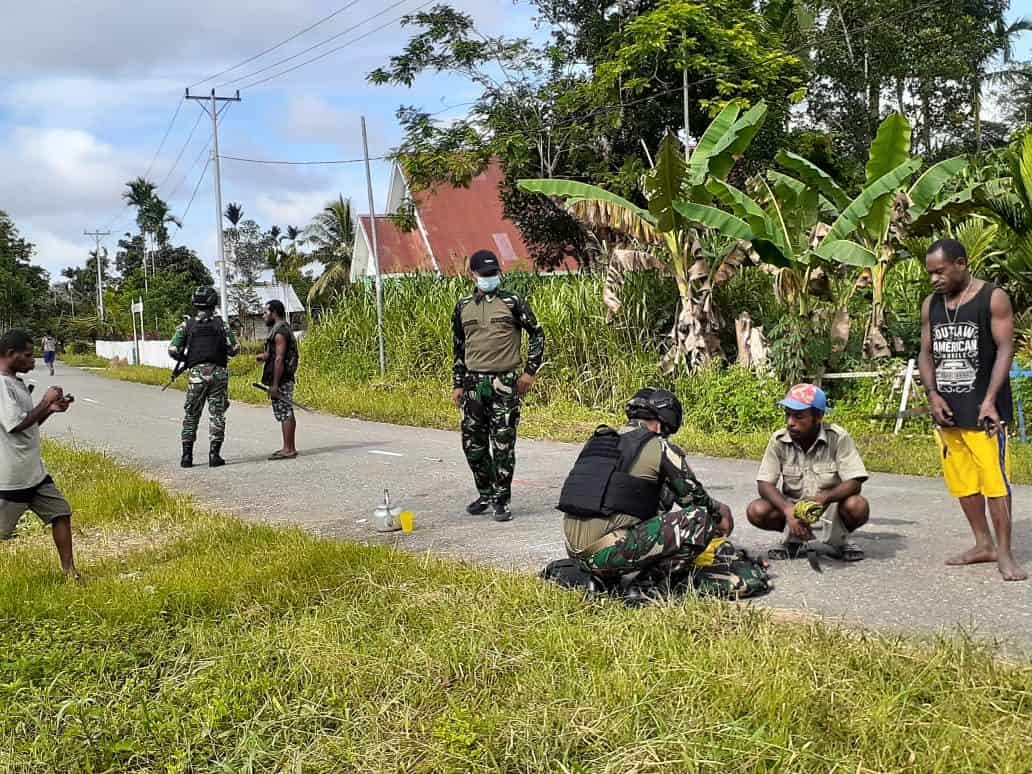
x=24, y=481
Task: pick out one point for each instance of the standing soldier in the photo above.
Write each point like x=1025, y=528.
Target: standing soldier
x=488, y=383
x=205, y=343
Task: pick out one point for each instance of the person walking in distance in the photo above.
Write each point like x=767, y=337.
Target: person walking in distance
x=49, y=351
x=967, y=331
x=24, y=481
x=205, y=343
x=280, y=360
x=488, y=384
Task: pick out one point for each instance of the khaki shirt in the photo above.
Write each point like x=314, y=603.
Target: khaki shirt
x=832, y=459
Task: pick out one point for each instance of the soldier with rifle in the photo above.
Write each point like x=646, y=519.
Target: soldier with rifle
x=202, y=345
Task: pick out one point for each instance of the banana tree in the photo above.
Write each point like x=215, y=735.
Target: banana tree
x=869, y=230
x=781, y=219
x=671, y=235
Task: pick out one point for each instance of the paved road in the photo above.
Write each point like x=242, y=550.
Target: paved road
x=346, y=464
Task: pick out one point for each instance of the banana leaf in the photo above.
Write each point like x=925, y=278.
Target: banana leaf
x=735, y=142
x=859, y=211
x=664, y=183
x=927, y=188
x=698, y=165
x=815, y=177
x=718, y=220
x=846, y=252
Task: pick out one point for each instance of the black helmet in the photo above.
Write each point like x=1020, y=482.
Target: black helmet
x=661, y=405
x=205, y=298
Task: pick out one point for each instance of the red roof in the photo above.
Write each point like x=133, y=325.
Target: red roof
x=400, y=252
x=459, y=220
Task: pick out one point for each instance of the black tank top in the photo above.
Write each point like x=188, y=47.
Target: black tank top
x=964, y=353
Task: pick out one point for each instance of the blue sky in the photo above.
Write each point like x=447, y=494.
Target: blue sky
x=89, y=90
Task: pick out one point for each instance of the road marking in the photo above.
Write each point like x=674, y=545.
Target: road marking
x=385, y=453
x=95, y=402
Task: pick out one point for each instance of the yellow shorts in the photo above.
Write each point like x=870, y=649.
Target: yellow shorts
x=974, y=463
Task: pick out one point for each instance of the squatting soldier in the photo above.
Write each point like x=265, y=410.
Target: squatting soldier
x=205, y=343
x=487, y=328
x=618, y=501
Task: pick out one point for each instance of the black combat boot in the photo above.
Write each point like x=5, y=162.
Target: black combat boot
x=187, y=459
x=214, y=458
x=478, y=506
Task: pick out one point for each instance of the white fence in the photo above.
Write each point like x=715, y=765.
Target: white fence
x=152, y=353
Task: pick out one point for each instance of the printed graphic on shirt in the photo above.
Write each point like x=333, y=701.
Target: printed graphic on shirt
x=955, y=349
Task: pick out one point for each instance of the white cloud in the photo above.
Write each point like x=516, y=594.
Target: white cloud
x=54, y=253
x=294, y=208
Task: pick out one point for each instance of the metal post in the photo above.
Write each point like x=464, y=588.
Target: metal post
x=376, y=253
x=213, y=111
x=908, y=381
x=100, y=271
x=136, y=344
x=687, y=126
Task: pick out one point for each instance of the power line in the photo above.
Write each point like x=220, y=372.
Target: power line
x=300, y=163
x=319, y=45
x=282, y=43
x=182, y=150
x=189, y=204
x=193, y=166
x=168, y=129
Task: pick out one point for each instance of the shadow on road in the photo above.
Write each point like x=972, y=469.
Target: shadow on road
x=303, y=453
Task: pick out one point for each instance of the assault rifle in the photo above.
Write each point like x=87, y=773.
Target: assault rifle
x=263, y=388
x=180, y=367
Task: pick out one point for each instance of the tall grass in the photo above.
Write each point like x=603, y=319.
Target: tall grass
x=219, y=645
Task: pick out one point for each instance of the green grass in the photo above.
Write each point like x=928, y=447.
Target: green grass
x=203, y=643
x=88, y=360
x=426, y=403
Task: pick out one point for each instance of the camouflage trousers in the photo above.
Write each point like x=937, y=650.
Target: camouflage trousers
x=490, y=414
x=207, y=383
x=666, y=544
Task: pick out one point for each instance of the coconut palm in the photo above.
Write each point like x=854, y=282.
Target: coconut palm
x=332, y=236
x=140, y=194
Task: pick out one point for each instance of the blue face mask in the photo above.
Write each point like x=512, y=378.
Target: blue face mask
x=488, y=284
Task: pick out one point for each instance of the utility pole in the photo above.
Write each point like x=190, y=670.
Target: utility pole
x=687, y=126
x=100, y=271
x=212, y=109
x=376, y=252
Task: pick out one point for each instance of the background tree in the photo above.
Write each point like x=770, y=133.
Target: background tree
x=331, y=235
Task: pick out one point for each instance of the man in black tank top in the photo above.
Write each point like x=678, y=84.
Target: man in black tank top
x=967, y=332
x=280, y=360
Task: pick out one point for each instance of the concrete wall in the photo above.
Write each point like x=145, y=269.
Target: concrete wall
x=152, y=353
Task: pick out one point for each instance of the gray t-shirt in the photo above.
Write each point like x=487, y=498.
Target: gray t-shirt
x=21, y=466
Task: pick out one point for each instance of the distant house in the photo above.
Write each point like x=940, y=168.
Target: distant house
x=252, y=325
x=450, y=224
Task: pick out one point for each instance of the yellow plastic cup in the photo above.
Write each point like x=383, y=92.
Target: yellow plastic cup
x=407, y=520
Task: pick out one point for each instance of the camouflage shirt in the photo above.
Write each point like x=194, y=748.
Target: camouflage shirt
x=178, y=343
x=485, y=341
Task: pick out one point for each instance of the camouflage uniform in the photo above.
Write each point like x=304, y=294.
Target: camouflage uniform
x=666, y=544
x=491, y=404
x=207, y=382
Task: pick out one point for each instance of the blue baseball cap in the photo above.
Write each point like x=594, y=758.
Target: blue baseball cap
x=805, y=396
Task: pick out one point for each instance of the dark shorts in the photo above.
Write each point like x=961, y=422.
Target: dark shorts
x=47, y=502
x=49, y=357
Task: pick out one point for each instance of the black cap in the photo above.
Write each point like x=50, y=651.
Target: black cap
x=484, y=263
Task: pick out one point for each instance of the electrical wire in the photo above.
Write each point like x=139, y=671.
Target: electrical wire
x=182, y=150
x=300, y=163
x=193, y=166
x=319, y=45
x=282, y=43
x=189, y=204
x=168, y=130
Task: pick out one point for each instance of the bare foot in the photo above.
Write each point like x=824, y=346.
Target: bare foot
x=1010, y=570
x=73, y=576
x=976, y=555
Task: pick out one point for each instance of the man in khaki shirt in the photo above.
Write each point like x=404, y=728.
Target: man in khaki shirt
x=813, y=461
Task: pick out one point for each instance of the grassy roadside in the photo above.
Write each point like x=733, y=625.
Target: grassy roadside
x=426, y=404
x=204, y=643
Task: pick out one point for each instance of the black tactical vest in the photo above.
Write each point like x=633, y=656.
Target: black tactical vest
x=599, y=484
x=206, y=342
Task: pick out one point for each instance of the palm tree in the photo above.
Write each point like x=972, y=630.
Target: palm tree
x=140, y=194
x=1005, y=35
x=332, y=234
